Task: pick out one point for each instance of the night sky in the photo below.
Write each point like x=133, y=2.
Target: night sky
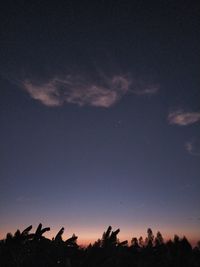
x=100, y=117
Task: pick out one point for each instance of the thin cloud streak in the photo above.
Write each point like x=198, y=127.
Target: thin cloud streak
x=86, y=92
x=142, y=87
x=182, y=118
x=193, y=147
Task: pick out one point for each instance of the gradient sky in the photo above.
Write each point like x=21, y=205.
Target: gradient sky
x=100, y=117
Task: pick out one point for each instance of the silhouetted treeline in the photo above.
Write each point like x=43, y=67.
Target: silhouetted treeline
x=25, y=249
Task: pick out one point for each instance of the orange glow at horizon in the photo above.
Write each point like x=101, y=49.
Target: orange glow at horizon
x=88, y=236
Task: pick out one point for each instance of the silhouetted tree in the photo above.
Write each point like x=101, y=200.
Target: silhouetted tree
x=25, y=249
x=159, y=239
x=39, y=232
x=58, y=237
x=141, y=242
x=134, y=243
x=150, y=238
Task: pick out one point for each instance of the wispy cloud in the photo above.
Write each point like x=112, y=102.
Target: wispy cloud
x=79, y=91
x=26, y=199
x=193, y=147
x=179, y=117
x=142, y=87
x=45, y=93
x=102, y=92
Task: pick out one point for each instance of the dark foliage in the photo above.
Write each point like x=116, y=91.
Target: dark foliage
x=25, y=249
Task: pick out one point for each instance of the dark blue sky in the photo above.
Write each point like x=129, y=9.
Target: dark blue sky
x=100, y=117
